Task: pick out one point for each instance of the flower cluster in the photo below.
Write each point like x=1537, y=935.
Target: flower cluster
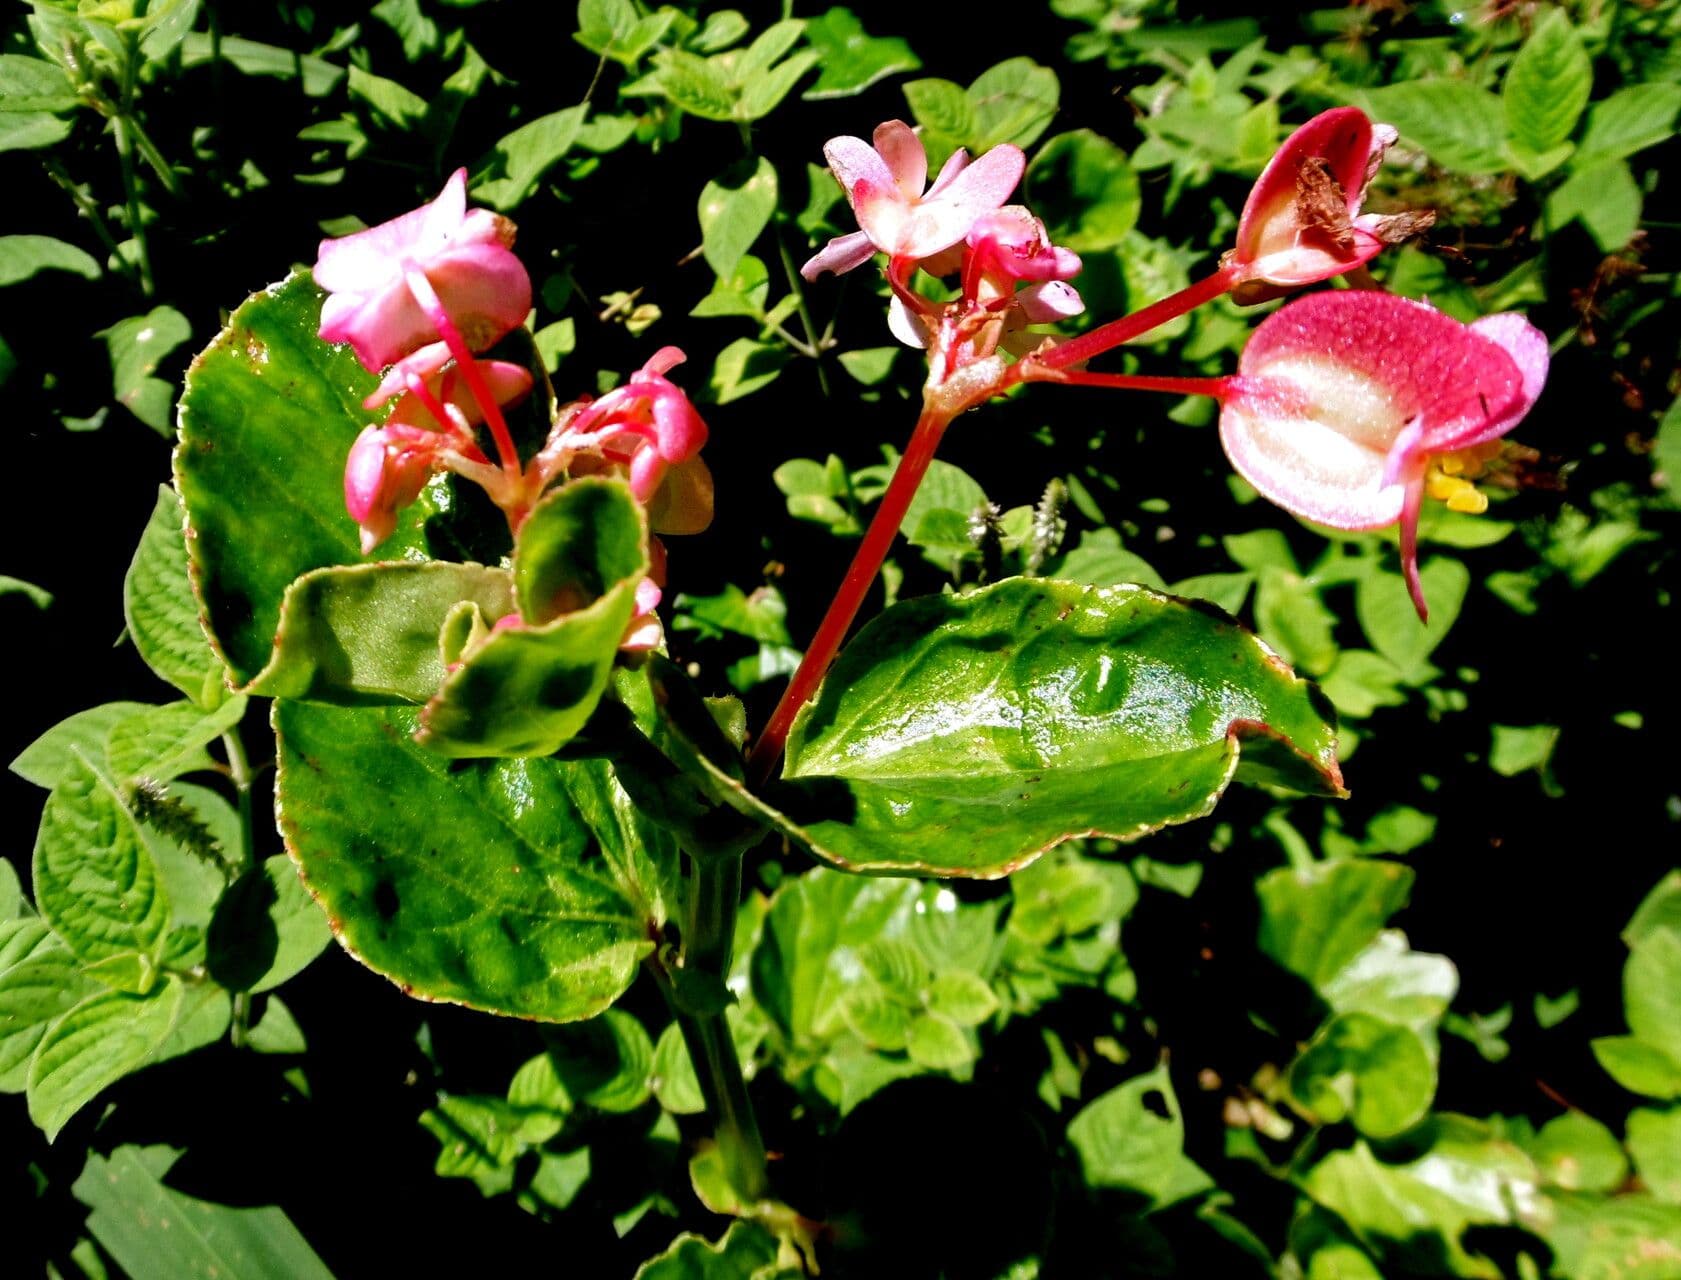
x=420, y=298
x=1348, y=408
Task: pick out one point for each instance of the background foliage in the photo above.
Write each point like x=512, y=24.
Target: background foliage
x=1433, y=1029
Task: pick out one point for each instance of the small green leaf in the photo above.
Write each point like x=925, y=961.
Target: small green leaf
x=316, y=76
x=1461, y=126
x=94, y=1045
x=674, y=1080
x=1639, y=1067
x=694, y=84
x=745, y=1252
x=1127, y=1144
x=527, y=690
x=1391, y=623
x=160, y=610
x=136, y=346
x=938, y=1043
x=1576, y=1152
x=1547, y=86
x=851, y=59
x=164, y=742
x=1393, y=982
x=1605, y=198
x=1654, y=1140
x=1380, y=1076
x=157, y=1233
x=943, y=110
x=1651, y=990
x=508, y=176
x=734, y=210
x=95, y=881
x=762, y=92
x=266, y=929
x=24, y=256
x=745, y=366
x=1316, y=919
x=1085, y=189
x=964, y=998
x=1014, y=102
x=33, y=995
x=368, y=634
x=60, y=752
x=605, y=1063
x=1633, y=118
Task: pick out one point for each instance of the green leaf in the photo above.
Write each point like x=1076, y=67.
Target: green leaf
x=1461, y=126
x=31, y=90
x=1413, y=1214
x=943, y=109
x=33, y=995
x=1359, y=682
x=396, y=104
x=1085, y=189
x=1043, y=713
x=1547, y=86
x=266, y=929
x=1291, y=618
x=1013, y=101
x=156, y=1233
x=963, y=998
x=605, y=1063
x=418, y=33
x=24, y=256
x=1391, y=981
x=277, y=1031
x=1654, y=1140
x=471, y=883
x=369, y=634
x=1391, y=623
x=1630, y=120
x=527, y=690
x=1651, y=990
x=1374, y=1073
x=95, y=882
x=160, y=610
x=745, y=366
x=851, y=59
x=694, y=84
x=94, y=1045
x=1316, y=919
x=1133, y=1138
x=1659, y=909
x=745, y=1252
x=316, y=76
x=164, y=742
x=760, y=616
x=1515, y=749
x=734, y=210
x=1576, y=1152
x=54, y=756
x=40, y=597
x=136, y=346
x=267, y=418
x=762, y=92
x=938, y=1043
x=508, y=176
x=1605, y=198
x=1626, y=1237
x=1639, y=1067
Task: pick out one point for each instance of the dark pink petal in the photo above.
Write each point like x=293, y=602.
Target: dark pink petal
x=899, y=147
x=679, y=432
x=484, y=288
x=369, y=259
x=840, y=255
x=1527, y=347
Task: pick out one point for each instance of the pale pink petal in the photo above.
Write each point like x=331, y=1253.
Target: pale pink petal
x=840, y=255
x=984, y=185
x=664, y=360
x=955, y=164
x=1053, y=300
x=852, y=161
x=381, y=327
x=905, y=325
x=366, y=260
x=886, y=217
x=1342, y=137
x=897, y=144
x=423, y=364
x=1527, y=347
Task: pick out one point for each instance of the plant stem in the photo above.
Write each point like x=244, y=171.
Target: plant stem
x=797, y=287
x=708, y=939
x=1110, y=335
x=123, y=122
x=866, y=564
x=239, y=771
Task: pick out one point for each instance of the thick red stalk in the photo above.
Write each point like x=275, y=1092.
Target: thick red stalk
x=866, y=564
x=1111, y=335
x=433, y=306
x=1216, y=387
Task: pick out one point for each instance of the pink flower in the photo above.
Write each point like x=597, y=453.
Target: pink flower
x=385, y=471
x=884, y=184
x=508, y=384
x=648, y=425
x=1302, y=222
x=1343, y=399
x=1011, y=244
x=463, y=255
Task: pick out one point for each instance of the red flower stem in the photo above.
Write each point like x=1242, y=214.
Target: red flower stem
x=1108, y=336
x=866, y=564
x=1216, y=387
x=433, y=306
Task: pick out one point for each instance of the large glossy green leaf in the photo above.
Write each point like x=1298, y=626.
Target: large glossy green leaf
x=368, y=634
x=162, y=613
x=267, y=418
x=472, y=883
x=964, y=736
x=157, y=1233
x=528, y=690
x=95, y=881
